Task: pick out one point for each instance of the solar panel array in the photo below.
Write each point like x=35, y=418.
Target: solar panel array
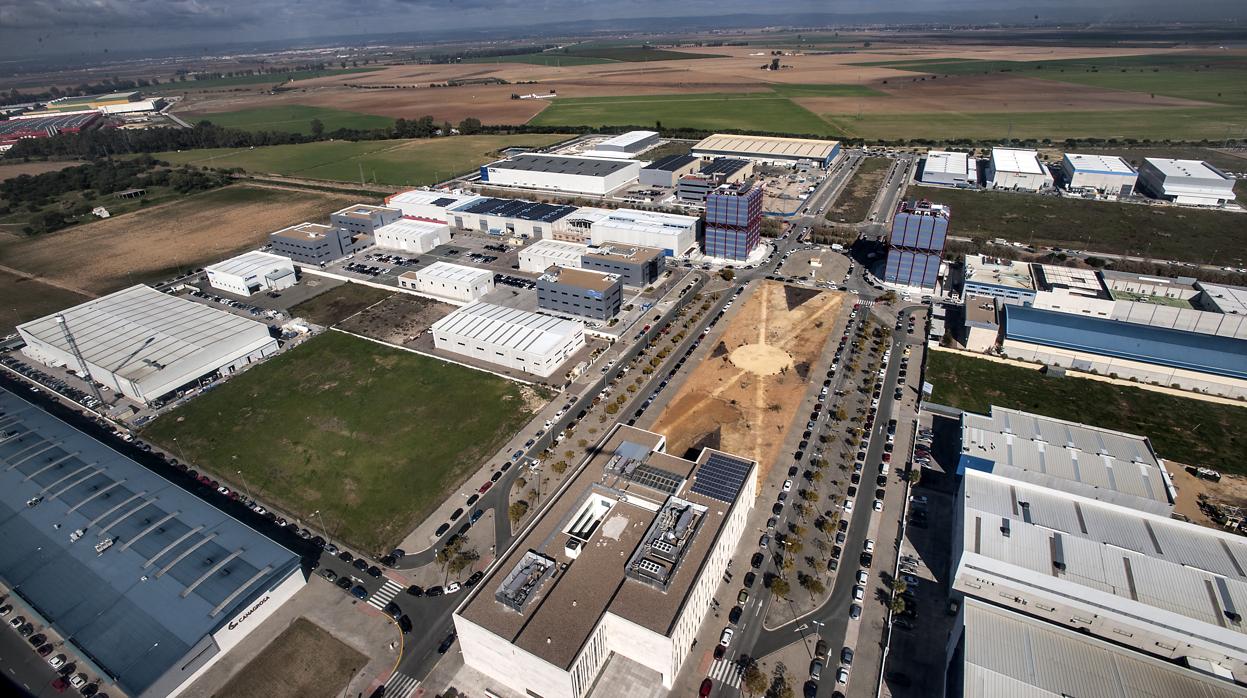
x=656, y=478
x=721, y=477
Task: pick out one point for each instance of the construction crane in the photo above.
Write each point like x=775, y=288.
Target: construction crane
x=82, y=363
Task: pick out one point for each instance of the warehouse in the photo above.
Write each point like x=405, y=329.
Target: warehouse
x=428, y=204
x=253, y=272
x=149, y=584
x=621, y=566
x=1017, y=170
x=672, y=233
x=1138, y=579
x=950, y=169
x=769, y=149
x=508, y=217
x=412, y=235
x=147, y=344
x=364, y=219
x=569, y=173
x=1106, y=174
x=580, y=292
x=452, y=282
x=16, y=129
x=667, y=171
x=637, y=266
x=508, y=337
x=543, y=254
x=1190, y=182
x=578, y=225
x=630, y=142
x=313, y=243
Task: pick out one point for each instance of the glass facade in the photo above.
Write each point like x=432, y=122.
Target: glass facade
x=733, y=222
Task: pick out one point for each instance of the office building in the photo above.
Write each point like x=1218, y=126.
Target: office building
x=950, y=169
x=1020, y=170
x=566, y=173
x=672, y=233
x=667, y=171
x=364, y=219
x=637, y=266
x=993, y=277
x=694, y=188
x=631, y=142
x=251, y=273
x=452, y=282
x=543, y=254
x=510, y=338
x=580, y=292
x=916, y=245
x=316, y=244
x=769, y=149
x=1190, y=182
x=733, y=220
x=1106, y=174
x=412, y=235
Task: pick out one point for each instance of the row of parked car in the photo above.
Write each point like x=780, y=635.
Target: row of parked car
x=514, y=281
x=252, y=310
x=51, y=382
x=68, y=675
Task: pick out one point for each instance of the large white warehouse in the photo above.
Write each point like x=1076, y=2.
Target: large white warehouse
x=1192, y=182
x=630, y=142
x=951, y=169
x=1022, y=170
x=570, y=173
x=1104, y=173
x=672, y=233
x=252, y=272
x=453, y=282
x=147, y=344
x=427, y=203
x=509, y=337
x=543, y=254
x=412, y=235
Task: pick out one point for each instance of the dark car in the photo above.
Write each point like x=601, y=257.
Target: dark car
x=833, y=565
x=492, y=479
x=404, y=624
x=706, y=686
x=867, y=559
x=476, y=516
x=434, y=591
x=454, y=515
x=836, y=551
x=792, y=472
x=474, y=579
x=38, y=639
x=374, y=571
x=360, y=564
x=415, y=590
x=733, y=616
x=757, y=560
x=472, y=499
x=67, y=669
x=359, y=592
x=389, y=560
x=843, y=525
x=343, y=583
x=442, y=529
x=393, y=610
x=778, y=508
x=45, y=650
x=809, y=689
x=346, y=557
x=89, y=689
x=446, y=644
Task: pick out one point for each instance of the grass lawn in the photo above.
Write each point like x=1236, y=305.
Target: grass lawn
x=1193, y=432
x=1156, y=231
x=854, y=202
x=398, y=162
x=373, y=437
x=292, y=118
x=760, y=111
x=26, y=299
x=303, y=661
x=240, y=80
x=339, y=303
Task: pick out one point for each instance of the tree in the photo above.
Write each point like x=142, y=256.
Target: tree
x=915, y=474
x=780, y=587
x=318, y=128
x=817, y=476
x=517, y=511
x=754, y=681
x=470, y=126
x=897, y=605
x=813, y=585
x=463, y=561
x=727, y=274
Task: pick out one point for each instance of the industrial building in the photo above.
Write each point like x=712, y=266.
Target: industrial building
x=1141, y=580
x=508, y=337
x=637, y=266
x=1071, y=290
x=17, y=129
x=148, y=584
x=1190, y=182
x=364, y=219
x=1018, y=170
x=1106, y=174
x=313, y=243
x=950, y=169
x=667, y=171
x=622, y=566
x=631, y=142
x=733, y=220
x=1088, y=461
x=567, y=173
x=452, y=282
x=251, y=273
x=427, y=203
x=769, y=149
x=144, y=343
x=694, y=188
x=916, y=245
x=981, y=331
x=543, y=254
x=1208, y=363
x=514, y=218
x=1006, y=279
x=580, y=292
x=112, y=103
x=577, y=226
x=412, y=235
x=672, y=233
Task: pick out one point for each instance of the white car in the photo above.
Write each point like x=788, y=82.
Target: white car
x=862, y=577
x=726, y=638
x=858, y=593
x=878, y=505
x=787, y=485
x=870, y=546
x=78, y=680
x=453, y=588
x=842, y=676
x=58, y=661
x=848, y=505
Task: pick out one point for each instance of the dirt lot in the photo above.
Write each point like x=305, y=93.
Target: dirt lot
x=1231, y=490
x=339, y=303
x=745, y=394
x=398, y=319
x=153, y=243
x=33, y=168
x=303, y=661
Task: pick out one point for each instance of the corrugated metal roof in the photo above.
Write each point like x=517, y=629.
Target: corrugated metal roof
x=454, y=273
x=764, y=146
x=1015, y=160
x=250, y=263
x=511, y=328
x=944, y=162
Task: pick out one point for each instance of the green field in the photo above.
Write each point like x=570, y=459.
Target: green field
x=758, y=111
x=397, y=162
x=292, y=118
x=855, y=200
x=1163, y=232
x=544, y=58
x=824, y=90
x=1192, y=432
x=27, y=299
x=372, y=437
x=241, y=80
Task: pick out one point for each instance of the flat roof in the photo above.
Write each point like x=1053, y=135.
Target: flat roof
x=1182, y=169
x=178, y=568
x=453, y=273
x=625, y=485
x=1087, y=460
x=304, y=231
x=563, y=164
x=1205, y=353
x=511, y=328
x=1016, y=160
x=407, y=226
x=764, y=146
x=1011, y=654
x=556, y=249
x=615, y=252
x=997, y=271
x=624, y=140
x=580, y=278
x=724, y=166
x=634, y=219
x=1099, y=164
x=1083, y=282
x=249, y=263
x=980, y=310
x=941, y=161
x=1228, y=299
x=363, y=210
x=138, y=332
x=515, y=208
x=1107, y=557
x=671, y=163
x=429, y=197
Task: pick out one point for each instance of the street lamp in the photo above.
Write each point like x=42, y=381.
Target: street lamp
x=323, y=530
x=245, y=486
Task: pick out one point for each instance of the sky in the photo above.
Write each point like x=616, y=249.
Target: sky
x=29, y=28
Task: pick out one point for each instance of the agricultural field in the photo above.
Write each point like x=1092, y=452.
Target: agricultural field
x=556, y=59
x=1207, y=434
x=304, y=661
x=412, y=162
x=1164, y=232
x=26, y=299
x=352, y=428
x=760, y=111
x=247, y=80
x=292, y=118
x=34, y=167
x=158, y=241
x=858, y=195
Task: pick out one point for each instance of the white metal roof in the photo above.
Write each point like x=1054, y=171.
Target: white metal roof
x=1102, y=164
x=624, y=140
x=1014, y=160
x=251, y=263
x=511, y=328
x=1010, y=654
x=633, y=219
x=940, y=161
x=408, y=228
x=763, y=146
x=555, y=249
x=139, y=331
x=427, y=197
x=1181, y=169
x=1228, y=299
x=453, y=273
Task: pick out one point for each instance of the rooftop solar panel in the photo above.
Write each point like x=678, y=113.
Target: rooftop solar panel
x=721, y=477
x=518, y=208
x=657, y=478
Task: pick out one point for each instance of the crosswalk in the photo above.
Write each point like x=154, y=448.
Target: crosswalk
x=387, y=591
x=726, y=672
x=400, y=685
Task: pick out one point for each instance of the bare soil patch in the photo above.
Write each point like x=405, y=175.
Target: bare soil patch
x=304, y=661
x=399, y=319
x=1230, y=491
x=34, y=168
